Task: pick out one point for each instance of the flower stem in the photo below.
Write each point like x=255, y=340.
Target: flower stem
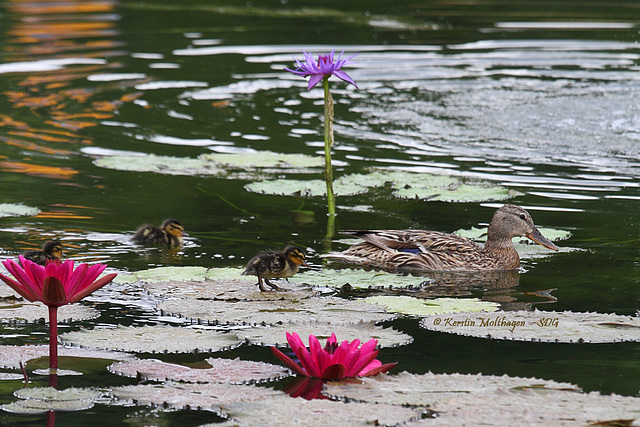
x=53, y=338
x=328, y=169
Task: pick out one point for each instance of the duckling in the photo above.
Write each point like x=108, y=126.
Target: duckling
x=426, y=250
x=275, y=264
x=170, y=233
x=51, y=251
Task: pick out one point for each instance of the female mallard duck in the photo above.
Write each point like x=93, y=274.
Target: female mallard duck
x=170, y=233
x=275, y=264
x=51, y=251
x=433, y=250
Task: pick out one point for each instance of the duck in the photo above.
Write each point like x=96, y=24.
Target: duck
x=170, y=233
x=51, y=251
x=424, y=250
x=275, y=264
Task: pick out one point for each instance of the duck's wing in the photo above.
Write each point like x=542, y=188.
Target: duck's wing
x=149, y=234
x=410, y=249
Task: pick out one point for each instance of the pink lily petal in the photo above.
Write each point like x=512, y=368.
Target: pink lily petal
x=334, y=372
x=379, y=370
x=287, y=361
x=53, y=292
x=364, y=360
x=93, y=287
x=25, y=293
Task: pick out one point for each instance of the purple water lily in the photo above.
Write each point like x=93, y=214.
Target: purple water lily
x=324, y=66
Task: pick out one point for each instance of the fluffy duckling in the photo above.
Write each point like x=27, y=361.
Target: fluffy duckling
x=275, y=264
x=51, y=251
x=170, y=233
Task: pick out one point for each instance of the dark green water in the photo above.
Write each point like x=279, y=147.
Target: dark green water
x=542, y=98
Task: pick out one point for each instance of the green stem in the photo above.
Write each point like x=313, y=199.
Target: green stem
x=328, y=169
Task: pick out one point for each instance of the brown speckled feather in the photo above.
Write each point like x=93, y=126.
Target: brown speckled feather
x=434, y=250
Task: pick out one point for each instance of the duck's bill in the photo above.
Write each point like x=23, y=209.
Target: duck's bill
x=537, y=237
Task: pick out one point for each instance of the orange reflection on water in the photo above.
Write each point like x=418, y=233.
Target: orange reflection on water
x=38, y=170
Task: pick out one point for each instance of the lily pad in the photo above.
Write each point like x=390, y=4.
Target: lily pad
x=43, y=399
x=428, y=307
x=359, y=279
x=237, y=165
x=159, y=274
x=232, y=371
x=309, y=188
x=208, y=396
x=425, y=389
x=283, y=410
x=225, y=289
x=543, y=326
x=404, y=184
x=153, y=339
x=276, y=335
x=24, y=311
x=523, y=407
x=10, y=209
x=339, y=310
x=12, y=355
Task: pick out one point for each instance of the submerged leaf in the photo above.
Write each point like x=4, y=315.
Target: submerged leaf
x=427, y=307
x=275, y=335
x=153, y=339
x=233, y=371
x=338, y=310
x=12, y=355
x=545, y=326
x=160, y=274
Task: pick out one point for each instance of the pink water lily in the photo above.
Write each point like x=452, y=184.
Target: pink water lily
x=56, y=284
x=333, y=362
x=324, y=66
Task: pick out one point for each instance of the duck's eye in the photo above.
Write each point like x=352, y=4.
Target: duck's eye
x=522, y=216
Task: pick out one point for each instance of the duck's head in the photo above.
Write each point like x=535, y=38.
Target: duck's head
x=296, y=255
x=173, y=228
x=513, y=221
x=52, y=250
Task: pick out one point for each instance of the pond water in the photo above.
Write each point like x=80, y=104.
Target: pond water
x=542, y=99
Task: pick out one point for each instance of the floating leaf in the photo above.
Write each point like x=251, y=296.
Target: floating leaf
x=24, y=311
x=12, y=355
x=309, y=188
x=427, y=307
x=545, y=326
x=283, y=410
x=233, y=371
x=403, y=183
x=534, y=407
x=265, y=159
x=9, y=209
x=359, y=279
x=207, y=396
x=276, y=335
x=43, y=399
x=237, y=165
x=422, y=390
x=238, y=289
x=159, y=274
x=153, y=339
x=338, y=310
